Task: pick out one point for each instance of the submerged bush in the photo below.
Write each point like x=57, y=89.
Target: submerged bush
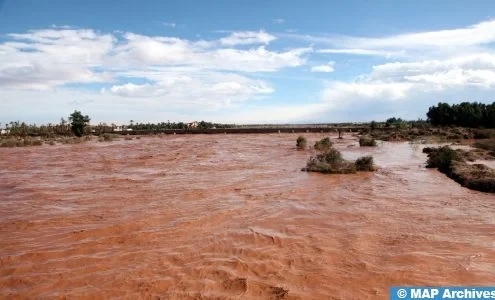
x=366, y=141
x=365, y=163
x=332, y=162
x=107, y=137
x=301, y=142
x=37, y=142
x=323, y=144
x=442, y=158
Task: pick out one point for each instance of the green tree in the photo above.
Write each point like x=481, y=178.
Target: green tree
x=78, y=122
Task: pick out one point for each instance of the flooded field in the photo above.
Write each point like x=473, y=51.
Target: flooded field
x=233, y=217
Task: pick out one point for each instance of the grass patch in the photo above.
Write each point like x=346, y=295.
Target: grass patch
x=26, y=142
x=366, y=141
x=323, y=145
x=106, y=137
x=301, y=142
x=10, y=143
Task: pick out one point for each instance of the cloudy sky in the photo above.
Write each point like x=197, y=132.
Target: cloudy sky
x=244, y=61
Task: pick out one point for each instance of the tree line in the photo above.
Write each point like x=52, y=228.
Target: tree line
x=78, y=124
x=465, y=114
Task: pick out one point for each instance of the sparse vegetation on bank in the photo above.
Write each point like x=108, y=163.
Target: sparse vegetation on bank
x=473, y=176
x=20, y=142
x=486, y=145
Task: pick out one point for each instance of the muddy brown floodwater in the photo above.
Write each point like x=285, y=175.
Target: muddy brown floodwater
x=233, y=217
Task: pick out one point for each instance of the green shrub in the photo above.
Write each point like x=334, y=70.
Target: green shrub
x=364, y=163
x=366, y=141
x=323, y=144
x=301, y=142
x=442, y=158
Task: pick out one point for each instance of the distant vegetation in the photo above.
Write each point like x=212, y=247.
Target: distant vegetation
x=173, y=125
x=465, y=114
x=473, y=176
x=397, y=122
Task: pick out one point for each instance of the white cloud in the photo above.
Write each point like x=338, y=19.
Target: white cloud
x=142, y=51
x=171, y=77
x=43, y=59
x=370, y=52
x=472, y=69
x=477, y=34
x=247, y=38
x=199, y=90
x=437, y=66
x=161, y=72
x=170, y=24
x=278, y=21
x=424, y=44
x=328, y=68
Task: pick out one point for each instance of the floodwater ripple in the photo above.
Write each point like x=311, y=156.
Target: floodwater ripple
x=233, y=217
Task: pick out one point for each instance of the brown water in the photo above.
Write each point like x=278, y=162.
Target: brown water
x=233, y=217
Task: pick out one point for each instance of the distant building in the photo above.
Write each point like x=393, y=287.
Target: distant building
x=192, y=124
x=4, y=131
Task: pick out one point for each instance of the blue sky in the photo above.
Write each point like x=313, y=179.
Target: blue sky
x=242, y=61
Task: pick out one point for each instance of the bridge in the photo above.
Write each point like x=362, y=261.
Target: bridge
x=246, y=130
